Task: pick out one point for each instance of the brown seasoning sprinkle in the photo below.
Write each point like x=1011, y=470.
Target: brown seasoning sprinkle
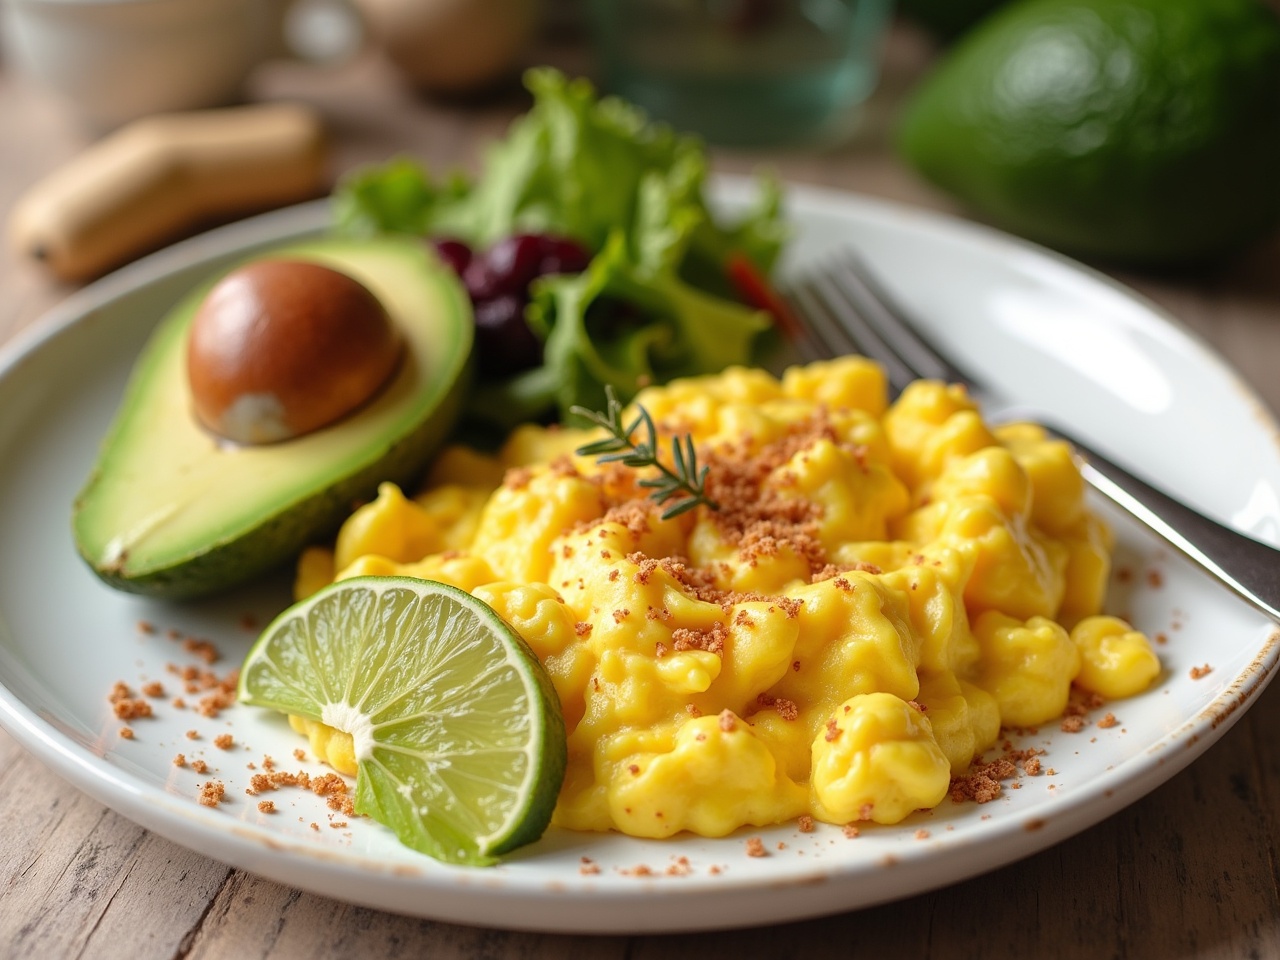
x=984, y=781
x=212, y=793
x=680, y=868
x=203, y=649
x=786, y=709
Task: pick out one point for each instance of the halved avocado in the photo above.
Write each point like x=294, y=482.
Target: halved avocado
x=172, y=511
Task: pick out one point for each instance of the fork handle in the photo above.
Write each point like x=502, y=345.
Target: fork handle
x=1248, y=567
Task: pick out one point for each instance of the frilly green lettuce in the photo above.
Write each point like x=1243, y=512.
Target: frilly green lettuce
x=655, y=302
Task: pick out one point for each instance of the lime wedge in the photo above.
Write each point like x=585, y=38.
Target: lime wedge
x=458, y=737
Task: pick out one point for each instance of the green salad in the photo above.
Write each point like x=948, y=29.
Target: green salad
x=589, y=251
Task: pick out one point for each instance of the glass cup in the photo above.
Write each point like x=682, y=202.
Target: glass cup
x=113, y=61
x=744, y=72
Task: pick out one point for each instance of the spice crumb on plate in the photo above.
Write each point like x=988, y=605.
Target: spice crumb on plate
x=203, y=649
x=133, y=709
x=331, y=786
x=212, y=793
x=679, y=867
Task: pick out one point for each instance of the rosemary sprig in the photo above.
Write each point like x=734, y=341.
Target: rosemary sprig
x=620, y=447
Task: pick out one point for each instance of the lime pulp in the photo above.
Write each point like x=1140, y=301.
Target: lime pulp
x=457, y=732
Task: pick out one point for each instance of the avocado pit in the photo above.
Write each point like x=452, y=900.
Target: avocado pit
x=280, y=348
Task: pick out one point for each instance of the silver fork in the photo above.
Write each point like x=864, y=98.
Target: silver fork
x=843, y=309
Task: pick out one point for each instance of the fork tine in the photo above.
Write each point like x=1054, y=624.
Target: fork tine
x=805, y=338
x=837, y=327
x=864, y=292
x=861, y=334
x=847, y=310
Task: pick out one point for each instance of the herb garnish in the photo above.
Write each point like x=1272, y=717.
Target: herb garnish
x=619, y=447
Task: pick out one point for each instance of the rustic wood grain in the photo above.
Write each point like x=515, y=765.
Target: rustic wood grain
x=1189, y=871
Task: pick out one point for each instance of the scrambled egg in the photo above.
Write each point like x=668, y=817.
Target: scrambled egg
x=881, y=589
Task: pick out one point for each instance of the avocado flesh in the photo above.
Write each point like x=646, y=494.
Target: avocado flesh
x=172, y=511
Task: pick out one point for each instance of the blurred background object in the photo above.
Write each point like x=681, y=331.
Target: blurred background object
x=112, y=61
x=453, y=47
x=744, y=72
x=1139, y=131
x=947, y=19
x=160, y=178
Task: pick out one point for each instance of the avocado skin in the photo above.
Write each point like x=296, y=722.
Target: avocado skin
x=212, y=566
x=1168, y=162
x=281, y=538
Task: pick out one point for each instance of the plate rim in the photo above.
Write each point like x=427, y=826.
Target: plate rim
x=143, y=803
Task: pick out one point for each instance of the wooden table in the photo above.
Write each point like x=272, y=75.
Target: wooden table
x=1190, y=871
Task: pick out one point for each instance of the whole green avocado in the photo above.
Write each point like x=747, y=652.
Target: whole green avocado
x=1137, y=131
x=947, y=19
x=170, y=510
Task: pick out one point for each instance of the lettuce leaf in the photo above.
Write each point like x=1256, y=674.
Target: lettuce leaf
x=655, y=302
x=622, y=326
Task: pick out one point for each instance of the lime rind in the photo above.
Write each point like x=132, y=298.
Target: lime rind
x=458, y=735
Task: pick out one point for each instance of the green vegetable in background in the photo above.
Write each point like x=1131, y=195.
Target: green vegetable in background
x=947, y=19
x=1144, y=131
x=655, y=302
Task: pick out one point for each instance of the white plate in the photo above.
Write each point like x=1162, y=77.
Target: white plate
x=1055, y=335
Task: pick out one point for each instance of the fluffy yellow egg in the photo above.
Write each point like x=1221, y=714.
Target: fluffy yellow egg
x=877, y=592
